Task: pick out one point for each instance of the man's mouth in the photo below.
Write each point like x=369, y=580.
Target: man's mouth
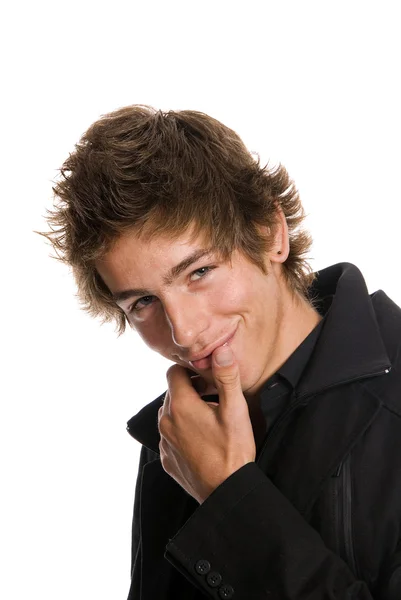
x=206, y=361
x=203, y=363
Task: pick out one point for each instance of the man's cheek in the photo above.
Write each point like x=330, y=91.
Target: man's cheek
x=156, y=337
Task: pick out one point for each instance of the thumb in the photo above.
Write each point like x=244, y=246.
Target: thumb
x=226, y=374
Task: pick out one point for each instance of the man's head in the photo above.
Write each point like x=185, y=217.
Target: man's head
x=185, y=299
x=161, y=174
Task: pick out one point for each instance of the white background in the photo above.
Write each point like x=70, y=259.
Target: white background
x=315, y=85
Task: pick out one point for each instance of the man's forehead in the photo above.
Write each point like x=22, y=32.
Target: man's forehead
x=137, y=245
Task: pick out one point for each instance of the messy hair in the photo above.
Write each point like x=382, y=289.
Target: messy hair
x=159, y=173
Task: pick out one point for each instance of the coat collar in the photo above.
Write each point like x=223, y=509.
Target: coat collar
x=349, y=347
x=144, y=425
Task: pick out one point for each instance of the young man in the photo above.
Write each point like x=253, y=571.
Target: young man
x=271, y=467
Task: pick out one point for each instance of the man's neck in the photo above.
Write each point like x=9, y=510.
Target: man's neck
x=298, y=318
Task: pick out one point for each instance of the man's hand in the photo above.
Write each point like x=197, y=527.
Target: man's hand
x=204, y=443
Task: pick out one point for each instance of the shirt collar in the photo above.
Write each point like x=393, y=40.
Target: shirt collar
x=294, y=366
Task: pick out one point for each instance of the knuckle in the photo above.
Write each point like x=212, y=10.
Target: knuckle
x=175, y=411
x=165, y=462
x=171, y=372
x=229, y=380
x=162, y=446
x=164, y=422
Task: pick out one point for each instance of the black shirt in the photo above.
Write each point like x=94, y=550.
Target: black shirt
x=278, y=389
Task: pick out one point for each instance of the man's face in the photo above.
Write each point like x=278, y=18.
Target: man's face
x=185, y=301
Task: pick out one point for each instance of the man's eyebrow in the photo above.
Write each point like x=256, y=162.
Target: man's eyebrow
x=184, y=264
x=126, y=294
x=168, y=279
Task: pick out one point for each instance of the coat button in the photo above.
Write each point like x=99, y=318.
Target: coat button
x=202, y=567
x=214, y=579
x=226, y=591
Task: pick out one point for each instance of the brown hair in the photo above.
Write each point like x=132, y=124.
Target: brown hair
x=157, y=172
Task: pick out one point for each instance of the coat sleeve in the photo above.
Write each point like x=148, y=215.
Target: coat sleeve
x=145, y=457
x=247, y=541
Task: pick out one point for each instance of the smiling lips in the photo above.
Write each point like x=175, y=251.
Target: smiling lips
x=203, y=363
x=206, y=361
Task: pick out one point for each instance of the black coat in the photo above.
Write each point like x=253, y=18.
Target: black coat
x=318, y=516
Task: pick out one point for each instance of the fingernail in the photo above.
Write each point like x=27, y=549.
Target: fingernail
x=223, y=356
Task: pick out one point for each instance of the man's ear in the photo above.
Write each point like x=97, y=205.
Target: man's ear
x=281, y=247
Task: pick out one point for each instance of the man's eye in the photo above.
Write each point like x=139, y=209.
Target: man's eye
x=199, y=273
x=141, y=303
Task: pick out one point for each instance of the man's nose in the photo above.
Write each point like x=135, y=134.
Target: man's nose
x=187, y=320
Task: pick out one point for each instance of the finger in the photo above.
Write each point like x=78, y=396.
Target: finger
x=213, y=405
x=164, y=423
x=176, y=373
x=166, y=403
x=180, y=389
x=226, y=376
x=163, y=446
x=165, y=454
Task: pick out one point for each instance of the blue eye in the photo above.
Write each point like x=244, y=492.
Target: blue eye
x=201, y=272
x=142, y=303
